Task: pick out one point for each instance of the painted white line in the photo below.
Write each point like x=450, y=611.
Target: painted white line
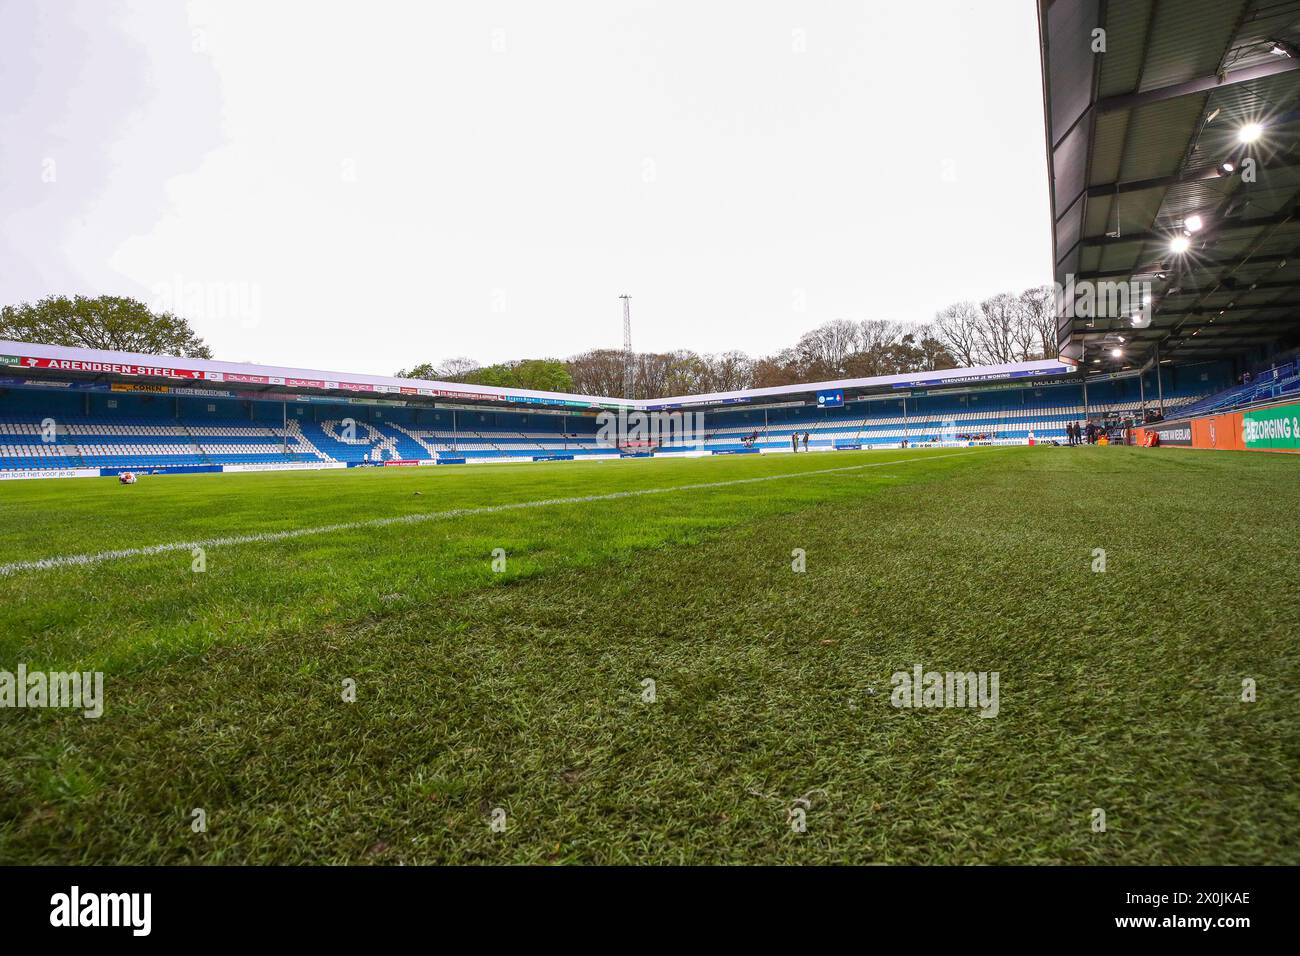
x=71, y=560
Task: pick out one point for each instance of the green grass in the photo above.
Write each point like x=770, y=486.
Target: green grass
x=522, y=690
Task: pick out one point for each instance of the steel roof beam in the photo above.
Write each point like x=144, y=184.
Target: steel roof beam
x=1227, y=225
x=1198, y=175
x=1202, y=84
x=1202, y=264
x=1238, y=307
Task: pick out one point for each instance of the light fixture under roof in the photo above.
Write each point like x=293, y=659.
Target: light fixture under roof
x=1116, y=353
x=1193, y=223
x=1179, y=244
x=1250, y=132
x=1228, y=166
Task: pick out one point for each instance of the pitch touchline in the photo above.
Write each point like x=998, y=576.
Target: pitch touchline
x=71, y=560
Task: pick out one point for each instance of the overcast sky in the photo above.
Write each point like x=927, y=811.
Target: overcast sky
x=365, y=185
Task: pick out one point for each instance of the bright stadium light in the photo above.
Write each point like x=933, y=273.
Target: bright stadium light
x=1228, y=166
x=1250, y=132
x=1179, y=244
x=1193, y=223
x=1116, y=353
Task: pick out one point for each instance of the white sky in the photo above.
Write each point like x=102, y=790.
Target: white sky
x=365, y=185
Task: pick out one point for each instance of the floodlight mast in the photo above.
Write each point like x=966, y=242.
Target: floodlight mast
x=628, y=371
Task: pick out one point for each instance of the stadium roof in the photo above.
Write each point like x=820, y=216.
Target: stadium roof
x=66, y=360
x=45, y=361
x=1137, y=139
x=1040, y=369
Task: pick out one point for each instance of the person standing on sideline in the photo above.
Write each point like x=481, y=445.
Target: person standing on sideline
x=805, y=441
x=794, y=442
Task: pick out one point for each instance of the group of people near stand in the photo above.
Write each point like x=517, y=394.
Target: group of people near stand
x=1088, y=434
x=749, y=440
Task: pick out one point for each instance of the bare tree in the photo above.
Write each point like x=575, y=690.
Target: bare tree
x=728, y=372
x=934, y=354
x=824, y=350
x=1039, y=308
x=997, y=329
x=783, y=368
x=598, y=372
x=687, y=373
x=453, y=370
x=875, y=335
x=957, y=326
x=652, y=374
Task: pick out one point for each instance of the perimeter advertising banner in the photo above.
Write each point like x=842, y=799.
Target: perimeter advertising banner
x=50, y=473
x=137, y=387
x=986, y=377
x=1177, y=433
x=111, y=368
x=1276, y=429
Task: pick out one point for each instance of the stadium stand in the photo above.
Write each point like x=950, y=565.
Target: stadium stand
x=998, y=417
x=1272, y=383
x=141, y=433
x=85, y=409
x=82, y=442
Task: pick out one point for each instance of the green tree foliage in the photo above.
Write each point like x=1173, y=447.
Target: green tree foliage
x=543, y=375
x=110, y=322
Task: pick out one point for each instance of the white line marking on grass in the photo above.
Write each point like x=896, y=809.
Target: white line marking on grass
x=73, y=560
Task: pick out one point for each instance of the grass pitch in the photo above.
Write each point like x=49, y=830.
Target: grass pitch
x=522, y=689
